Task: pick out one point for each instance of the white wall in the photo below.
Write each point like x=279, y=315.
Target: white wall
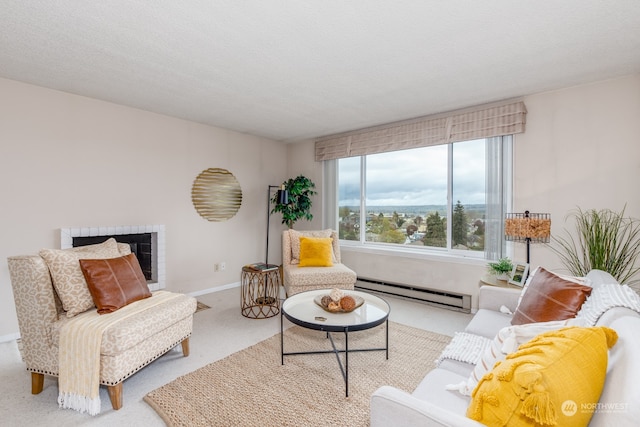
x=581, y=148
x=67, y=161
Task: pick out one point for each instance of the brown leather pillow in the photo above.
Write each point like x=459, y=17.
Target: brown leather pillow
x=115, y=282
x=550, y=297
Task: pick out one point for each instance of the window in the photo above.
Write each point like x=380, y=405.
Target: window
x=446, y=198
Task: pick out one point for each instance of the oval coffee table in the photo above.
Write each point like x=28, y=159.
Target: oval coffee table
x=302, y=310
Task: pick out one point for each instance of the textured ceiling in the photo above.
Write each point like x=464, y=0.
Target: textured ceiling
x=293, y=70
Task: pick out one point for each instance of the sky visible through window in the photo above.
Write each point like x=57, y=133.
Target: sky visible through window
x=406, y=196
x=416, y=177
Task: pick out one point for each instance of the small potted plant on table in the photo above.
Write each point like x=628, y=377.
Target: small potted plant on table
x=501, y=268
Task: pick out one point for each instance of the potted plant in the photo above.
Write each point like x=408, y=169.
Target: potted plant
x=300, y=190
x=603, y=240
x=501, y=268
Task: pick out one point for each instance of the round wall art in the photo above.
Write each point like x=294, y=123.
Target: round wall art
x=216, y=194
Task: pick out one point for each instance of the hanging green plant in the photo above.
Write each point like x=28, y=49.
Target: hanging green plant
x=603, y=240
x=298, y=207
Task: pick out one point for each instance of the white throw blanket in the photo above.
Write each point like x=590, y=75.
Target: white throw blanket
x=79, y=353
x=606, y=297
x=464, y=347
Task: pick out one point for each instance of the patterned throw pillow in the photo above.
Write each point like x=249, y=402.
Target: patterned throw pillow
x=68, y=281
x=547, y=381
x=507, y=341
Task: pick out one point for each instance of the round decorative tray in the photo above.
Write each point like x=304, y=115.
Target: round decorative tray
x=359, y=301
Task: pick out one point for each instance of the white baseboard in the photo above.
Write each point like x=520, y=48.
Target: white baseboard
x=216, y=289
x=10, y=337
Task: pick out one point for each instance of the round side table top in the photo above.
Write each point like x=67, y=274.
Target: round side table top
x=302, y=310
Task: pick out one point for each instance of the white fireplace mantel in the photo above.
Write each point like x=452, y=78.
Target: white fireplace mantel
x=67, y=235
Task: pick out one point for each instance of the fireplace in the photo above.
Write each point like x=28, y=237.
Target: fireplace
x=147, y=242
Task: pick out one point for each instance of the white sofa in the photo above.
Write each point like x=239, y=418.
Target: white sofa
x=431, y=404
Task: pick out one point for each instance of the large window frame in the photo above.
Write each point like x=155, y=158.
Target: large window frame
x=498, y=178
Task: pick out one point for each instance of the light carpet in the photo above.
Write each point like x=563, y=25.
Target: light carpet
x=252, y=387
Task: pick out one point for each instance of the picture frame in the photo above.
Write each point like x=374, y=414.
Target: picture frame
x=519, y=274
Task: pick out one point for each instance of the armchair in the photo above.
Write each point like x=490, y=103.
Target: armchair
x=298, y=279
x=125, y=348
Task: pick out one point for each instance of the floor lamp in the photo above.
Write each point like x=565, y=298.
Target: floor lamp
x=528, y=227
x=283, y=199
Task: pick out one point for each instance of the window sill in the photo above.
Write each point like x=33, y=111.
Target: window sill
x=404, y=252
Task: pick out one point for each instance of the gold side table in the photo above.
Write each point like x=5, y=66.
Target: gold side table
x=260, y=292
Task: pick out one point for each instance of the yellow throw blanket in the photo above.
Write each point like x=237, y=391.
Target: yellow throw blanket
x=79, y=353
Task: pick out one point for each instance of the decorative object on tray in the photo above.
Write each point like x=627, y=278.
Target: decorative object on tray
x=338, y=302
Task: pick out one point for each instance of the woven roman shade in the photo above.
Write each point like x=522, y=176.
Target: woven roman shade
x=498, y=119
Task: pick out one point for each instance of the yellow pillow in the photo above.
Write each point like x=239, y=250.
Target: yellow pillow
x=316, y=252
x=554, y=379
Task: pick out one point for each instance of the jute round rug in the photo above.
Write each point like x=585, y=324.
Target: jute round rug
x=252, y=387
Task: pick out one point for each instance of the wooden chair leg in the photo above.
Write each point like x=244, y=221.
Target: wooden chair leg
x=37, y=382
x=115, y=395
x=185, y=347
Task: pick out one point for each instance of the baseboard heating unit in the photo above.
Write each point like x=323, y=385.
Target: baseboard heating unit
x=450, y=300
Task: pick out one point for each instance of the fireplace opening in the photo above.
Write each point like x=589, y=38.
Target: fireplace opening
x=147, y=242
x=141, y=246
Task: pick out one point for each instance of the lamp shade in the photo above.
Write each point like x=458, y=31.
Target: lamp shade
x=532, y=227
x=283, y=196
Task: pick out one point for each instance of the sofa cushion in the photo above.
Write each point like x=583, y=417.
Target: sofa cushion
x=115, y=282
x=432, y=389
x=313, y=276
x=67, y=277
x=316, y=252
x=487, y=323
x=548, y=381
x=599, y=277
x=550, y=297
x=124, y=335
x=619, y=403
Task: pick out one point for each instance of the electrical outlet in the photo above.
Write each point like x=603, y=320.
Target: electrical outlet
x=223, y=265
x=216, y=267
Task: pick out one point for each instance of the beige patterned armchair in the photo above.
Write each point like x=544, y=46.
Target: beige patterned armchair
x=125, y=348
x=298, y=279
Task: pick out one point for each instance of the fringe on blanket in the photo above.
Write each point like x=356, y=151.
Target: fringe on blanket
x=79, y=403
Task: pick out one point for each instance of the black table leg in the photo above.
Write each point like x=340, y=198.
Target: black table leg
x=346, y=362
x=282, y=339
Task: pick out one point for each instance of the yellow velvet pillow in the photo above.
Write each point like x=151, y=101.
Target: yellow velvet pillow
x=554, y=379
x=316, y=252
